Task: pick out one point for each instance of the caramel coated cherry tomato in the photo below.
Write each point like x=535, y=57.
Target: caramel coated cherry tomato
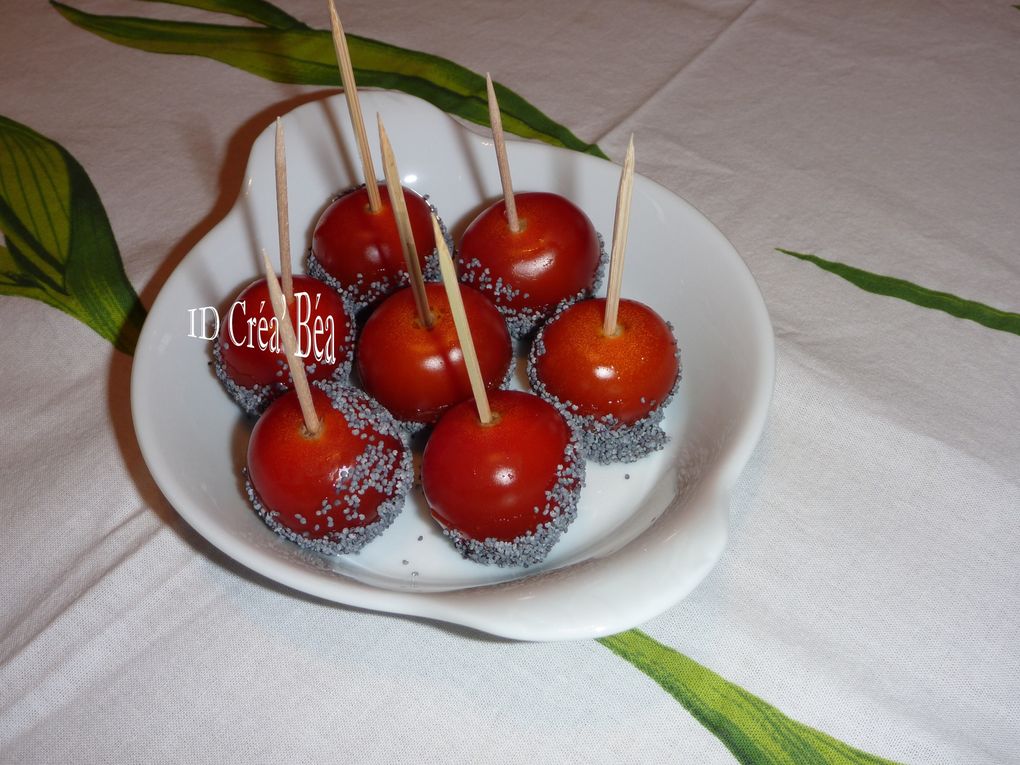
x=417, y=373
x=625, y=375
x=361, y=249
x=250, y=347
x=317, y=486
x=491, y=481
x=554, y=256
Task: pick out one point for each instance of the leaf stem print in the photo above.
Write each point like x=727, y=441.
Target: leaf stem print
x=754, y=731
x=285, y=50
x=58, y=245
x=986, y=315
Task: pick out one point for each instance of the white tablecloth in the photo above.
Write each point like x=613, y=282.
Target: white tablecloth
x=871, y=583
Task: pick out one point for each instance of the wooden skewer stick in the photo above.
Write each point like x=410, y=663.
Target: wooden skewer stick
x=504, y=166
x=282, y=215
x=620, y=226
x=343, y=59
x=467, y=344
x=399, y=205
x=297, y=368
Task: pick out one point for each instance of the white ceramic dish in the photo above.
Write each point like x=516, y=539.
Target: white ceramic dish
x=646, y=533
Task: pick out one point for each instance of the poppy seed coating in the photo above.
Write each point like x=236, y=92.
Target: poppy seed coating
x=605, y=439
x=362, y=293
x=558, y=512
x=254, y=399
x=524, y=320
x=336, y=527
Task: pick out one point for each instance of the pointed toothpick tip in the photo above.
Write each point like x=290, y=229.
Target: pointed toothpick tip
x=621, y=225
x=499, y=142
x=343, y=60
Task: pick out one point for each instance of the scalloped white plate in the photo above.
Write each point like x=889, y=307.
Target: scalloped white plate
x=646, y=533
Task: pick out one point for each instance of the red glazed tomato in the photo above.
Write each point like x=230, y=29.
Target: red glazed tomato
x=417, y=373
x=293, y=472
x=554, y=256
x=625, y=375
x=486, y=480
x=358, y=247
x=321, y=325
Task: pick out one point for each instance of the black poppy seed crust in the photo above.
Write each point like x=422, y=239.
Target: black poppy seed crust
x=254, y=399
x=523, y=321
x=410, y=427
x=605, y=439
x=560, y=510
x=379, y=467
x=364, y=293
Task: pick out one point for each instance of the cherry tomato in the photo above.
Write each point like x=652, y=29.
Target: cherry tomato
x=625, y=375
x=416, y=372
x=360, y=248
x=554, y=256
x=294, y=472
x=486, y=480
x=322, y=327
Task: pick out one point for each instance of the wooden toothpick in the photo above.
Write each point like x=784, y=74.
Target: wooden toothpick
x=297, y=368
x=343, y=59
x=460, y=322
x=282, y=216
x=504, y=165
x=399, y=205
x=620, y=226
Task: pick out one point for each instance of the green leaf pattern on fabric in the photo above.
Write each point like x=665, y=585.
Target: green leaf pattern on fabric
x=59, y=248
x=254, y=10
x=297, y=54
x=993, y=318
x=755, y=732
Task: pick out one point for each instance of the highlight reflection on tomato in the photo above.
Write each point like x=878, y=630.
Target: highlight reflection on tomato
x=486, y=480
x=554, y=256
x=293, y=471
x=356, y=246
x=242, y=343
x=625, y=375
x=416, y=372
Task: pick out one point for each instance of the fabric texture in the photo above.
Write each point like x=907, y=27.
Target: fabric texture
x=871, y=583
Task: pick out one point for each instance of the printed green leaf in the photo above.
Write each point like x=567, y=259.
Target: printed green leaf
x=59, y=245
x=912, y=293
x=754, y=731
x=306, y=56
x=254, y=10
